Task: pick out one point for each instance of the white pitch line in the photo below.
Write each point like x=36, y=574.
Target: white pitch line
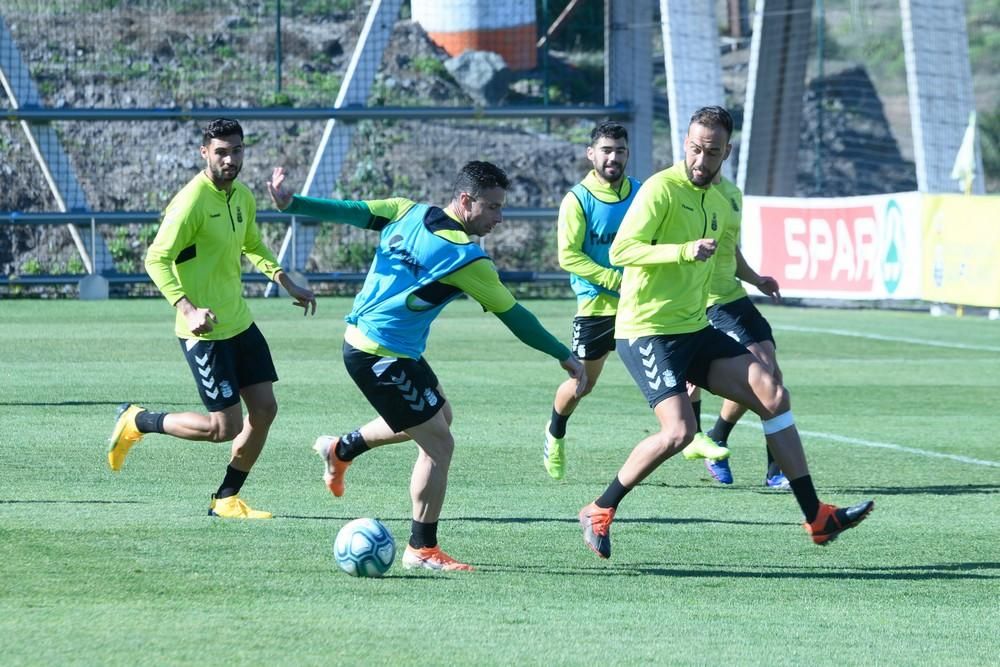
x=889, y=445
x=891, y=339
x=899, y=448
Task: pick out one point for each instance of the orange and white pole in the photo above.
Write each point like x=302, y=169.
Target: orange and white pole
x=507, y=28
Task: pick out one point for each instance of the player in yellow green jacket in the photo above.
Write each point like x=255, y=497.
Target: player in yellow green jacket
x=195, y=261
x=731, y=311
x=424, y=259
x=667, y=245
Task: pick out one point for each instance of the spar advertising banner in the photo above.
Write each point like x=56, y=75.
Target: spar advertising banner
x=962, y=250
x=839, y=248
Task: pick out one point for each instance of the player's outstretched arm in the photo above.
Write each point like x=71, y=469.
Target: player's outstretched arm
x=530, y=331
x=374, y=214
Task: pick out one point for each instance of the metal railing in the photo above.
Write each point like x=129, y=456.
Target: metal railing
x=93, y=219
x=350, y=113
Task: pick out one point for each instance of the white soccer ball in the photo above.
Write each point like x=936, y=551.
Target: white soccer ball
x=364, y=548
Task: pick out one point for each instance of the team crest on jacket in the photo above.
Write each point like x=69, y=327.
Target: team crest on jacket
x=736, y=207
x=715, y=222
x=239, y=215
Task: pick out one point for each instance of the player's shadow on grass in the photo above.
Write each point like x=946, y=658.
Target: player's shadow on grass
x=929, y=572
x=933, y=490
x=661, y=520
x=54, y=404
x=546, y=519
x=701, y=484
x=68, y=502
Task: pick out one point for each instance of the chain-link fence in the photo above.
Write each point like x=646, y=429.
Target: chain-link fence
x=128, y=56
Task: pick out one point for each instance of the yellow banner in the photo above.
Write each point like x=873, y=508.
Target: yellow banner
x=962, y=250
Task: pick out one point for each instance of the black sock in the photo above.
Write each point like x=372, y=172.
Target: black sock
x=557, y=426
x=150, y=422
x=721, y=430
x=351, y=446
x=232, y=483
x=805, y=494
x=612, y=495
x=423, y=535
x=697, y=414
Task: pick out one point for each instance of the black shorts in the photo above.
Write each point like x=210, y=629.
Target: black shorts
x=741, y=321
x=663, y=365
x=593, y=336
x=222, y=367
x=403, y=391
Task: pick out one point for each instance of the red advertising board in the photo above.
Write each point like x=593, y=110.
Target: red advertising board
x=821, y=248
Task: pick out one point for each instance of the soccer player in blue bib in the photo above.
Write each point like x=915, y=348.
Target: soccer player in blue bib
x=424, y=259
x=589, y=217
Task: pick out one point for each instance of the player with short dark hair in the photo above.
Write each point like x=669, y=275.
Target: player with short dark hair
x=424, y=259
x=477, y=176
x=195, y=261
x=666, y=245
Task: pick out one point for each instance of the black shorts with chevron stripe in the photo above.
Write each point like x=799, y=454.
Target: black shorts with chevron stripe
x=403, y=391
x=663, y=365
x=593, y=336
x=222, y=367
x=741, y=321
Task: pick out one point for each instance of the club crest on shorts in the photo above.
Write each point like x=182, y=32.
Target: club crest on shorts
x=430, y=397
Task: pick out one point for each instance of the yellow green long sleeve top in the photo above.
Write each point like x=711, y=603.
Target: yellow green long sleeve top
x=197, y=253
x=664, y=289
x=726, y=287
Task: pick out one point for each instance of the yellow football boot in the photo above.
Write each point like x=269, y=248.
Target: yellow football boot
x=233, y=507
x=703, y=447
x=124, y=436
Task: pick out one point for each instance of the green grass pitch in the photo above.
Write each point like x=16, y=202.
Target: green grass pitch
x=98, y=568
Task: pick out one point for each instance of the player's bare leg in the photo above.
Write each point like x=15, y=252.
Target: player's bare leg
x=566, y=400
x=262, y=409
x=430, y=472
x=428, y=484
x=731, y=412
x=220, y=426
x=338, y=452
x=745, y=380
x=677, y=428
x=246, y=448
